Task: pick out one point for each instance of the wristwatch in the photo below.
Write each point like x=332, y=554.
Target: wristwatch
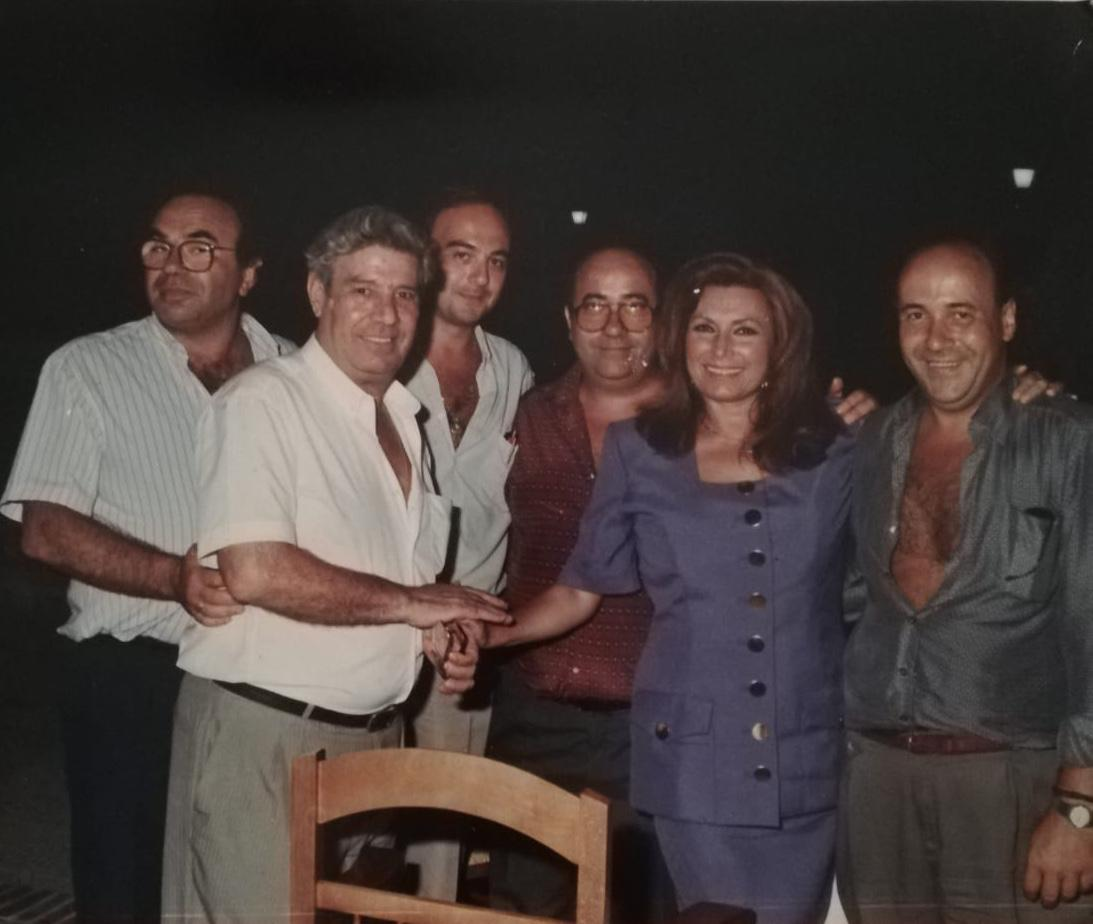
x=1078, y=814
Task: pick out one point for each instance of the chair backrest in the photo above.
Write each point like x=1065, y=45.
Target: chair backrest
x=576, y=827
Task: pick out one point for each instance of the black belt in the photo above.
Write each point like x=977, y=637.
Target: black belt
x=596, y=705
x=371, y=721
x=138, y=641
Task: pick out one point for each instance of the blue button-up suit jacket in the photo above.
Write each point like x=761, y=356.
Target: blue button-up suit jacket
x=737, y=698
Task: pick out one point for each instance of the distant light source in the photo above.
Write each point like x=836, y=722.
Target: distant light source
x=1023, y=177
x=579, y=218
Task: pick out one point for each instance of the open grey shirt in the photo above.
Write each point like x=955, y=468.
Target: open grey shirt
x=1004, y=649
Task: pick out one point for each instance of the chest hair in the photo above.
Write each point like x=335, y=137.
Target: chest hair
x=929, y=516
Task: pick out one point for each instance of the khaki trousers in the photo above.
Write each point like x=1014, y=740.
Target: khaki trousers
x=226, y=854
x=443, y=722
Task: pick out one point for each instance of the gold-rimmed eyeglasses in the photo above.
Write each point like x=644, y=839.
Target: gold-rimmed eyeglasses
x=634, y=314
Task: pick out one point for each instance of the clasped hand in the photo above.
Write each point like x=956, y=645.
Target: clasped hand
x=458, y=617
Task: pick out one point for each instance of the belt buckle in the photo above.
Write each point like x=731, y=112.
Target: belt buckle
x=378, y=721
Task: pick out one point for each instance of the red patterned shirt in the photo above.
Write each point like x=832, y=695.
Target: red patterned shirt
x=548, y=489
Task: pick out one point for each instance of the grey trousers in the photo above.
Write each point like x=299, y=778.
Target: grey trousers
x=226, y=853
x=942, y=839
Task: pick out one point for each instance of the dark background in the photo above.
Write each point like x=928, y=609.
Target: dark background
x=819, y=136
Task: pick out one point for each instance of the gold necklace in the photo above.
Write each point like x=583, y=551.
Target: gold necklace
x=456, y=410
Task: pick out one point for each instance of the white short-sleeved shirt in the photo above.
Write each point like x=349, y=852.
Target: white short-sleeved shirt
x=288, y=452
x=473, y=475
x=111, y=435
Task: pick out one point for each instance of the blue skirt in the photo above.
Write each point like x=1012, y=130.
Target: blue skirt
x=784, y=874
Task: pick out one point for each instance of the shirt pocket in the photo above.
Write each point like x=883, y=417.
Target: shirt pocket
x=673, y=757
x=671, y=716
x=492, y=468
x=1033, y=552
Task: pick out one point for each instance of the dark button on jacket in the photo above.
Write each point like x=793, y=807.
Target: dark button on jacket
x=652, y=522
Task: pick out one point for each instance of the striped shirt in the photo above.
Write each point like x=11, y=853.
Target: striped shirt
x=111, y=435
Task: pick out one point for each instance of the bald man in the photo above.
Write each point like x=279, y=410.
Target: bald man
x=969, y=687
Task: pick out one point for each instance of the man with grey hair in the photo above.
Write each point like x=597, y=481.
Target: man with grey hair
x=313, y=503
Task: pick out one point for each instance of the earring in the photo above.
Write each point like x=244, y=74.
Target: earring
x=764, y=385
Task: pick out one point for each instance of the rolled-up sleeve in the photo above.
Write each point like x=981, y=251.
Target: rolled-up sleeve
x=1076, y=548
x=61, y=451
x=604, y=560
x=246, y=482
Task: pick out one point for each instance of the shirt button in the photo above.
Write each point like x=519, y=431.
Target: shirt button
x=757, y=557
x=757, y=688
x=903, y=672
x=756, y=600
x=576, y=670
x=661, y=730
x=756, y=644
x=760, y=732
x=753, y=517
x=746, y=487
x=762, y=774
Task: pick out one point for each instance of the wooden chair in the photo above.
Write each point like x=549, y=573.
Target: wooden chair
x=576, y=827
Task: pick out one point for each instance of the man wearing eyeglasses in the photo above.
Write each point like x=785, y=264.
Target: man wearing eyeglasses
x=561, y=709
x=104, y=485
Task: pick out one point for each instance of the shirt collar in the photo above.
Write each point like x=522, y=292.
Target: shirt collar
x=485, y=378
x=263, y=344
x=160, y=333
x=354, y=399
x=990, y=420
x=992, y=417
x=483, y=344
x=568, y=387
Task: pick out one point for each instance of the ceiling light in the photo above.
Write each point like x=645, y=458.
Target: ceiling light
x=579, y=218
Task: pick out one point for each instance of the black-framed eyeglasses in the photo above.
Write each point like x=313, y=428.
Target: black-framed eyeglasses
x=635, y=314
x=194, y=255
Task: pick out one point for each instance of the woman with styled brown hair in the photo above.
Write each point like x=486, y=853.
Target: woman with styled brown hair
x=790, y=415
x=727, y=501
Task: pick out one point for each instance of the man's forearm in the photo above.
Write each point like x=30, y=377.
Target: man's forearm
x=96, y=554
x=292, y=582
